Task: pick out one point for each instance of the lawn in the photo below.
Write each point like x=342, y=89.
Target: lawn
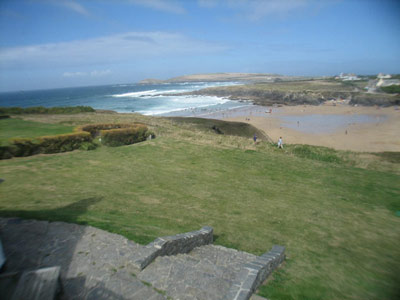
x=18, y=128
x=337, y=221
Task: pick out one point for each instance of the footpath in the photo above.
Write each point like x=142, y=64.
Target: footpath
x=56, y=260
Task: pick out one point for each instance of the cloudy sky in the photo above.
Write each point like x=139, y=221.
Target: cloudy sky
x=61, y=43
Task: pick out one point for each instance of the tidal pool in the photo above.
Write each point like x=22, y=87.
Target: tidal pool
x=327, y=123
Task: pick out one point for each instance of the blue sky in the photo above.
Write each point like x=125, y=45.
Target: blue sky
x=61, y=43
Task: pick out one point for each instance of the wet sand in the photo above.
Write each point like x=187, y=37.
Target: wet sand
x=382, y=134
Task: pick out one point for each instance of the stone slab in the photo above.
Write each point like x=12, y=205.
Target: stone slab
x=42, y=284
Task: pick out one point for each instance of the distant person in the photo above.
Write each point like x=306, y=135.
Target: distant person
x=280, y=143
x=255, y=138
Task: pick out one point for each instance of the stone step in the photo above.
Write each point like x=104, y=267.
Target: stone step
x=42, y=284
x=8, y=283
x=207, y=272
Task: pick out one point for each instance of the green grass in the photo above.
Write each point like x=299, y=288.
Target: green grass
x=392, y=89
x=18, y=128
x=338, y=222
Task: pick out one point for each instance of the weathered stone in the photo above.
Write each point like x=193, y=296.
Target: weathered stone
x=41, y=284
x=95, y=264
x=254, y=273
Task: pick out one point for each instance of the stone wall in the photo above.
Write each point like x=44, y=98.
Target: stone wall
x=175, y=244
x=252, y=275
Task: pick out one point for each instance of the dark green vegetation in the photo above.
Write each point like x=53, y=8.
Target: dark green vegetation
x=312, y=92
x=45, y=110
x=338, y=221
x=392, y=89
x=222, y=127
x=124, y=136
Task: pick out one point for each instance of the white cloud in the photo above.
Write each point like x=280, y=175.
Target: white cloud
x=258, y=9
x=74, y=74
x=119, y=48
x=94, y=73
x=97, y=73
x=76, y=7
x=170, y=6
x=207, y=3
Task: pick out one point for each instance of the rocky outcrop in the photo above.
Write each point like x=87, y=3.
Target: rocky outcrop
x=270, y=97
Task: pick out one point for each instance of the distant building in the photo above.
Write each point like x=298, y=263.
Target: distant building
x=347, y=77
x=387, y=82
x=374, y=84
x=384, y=76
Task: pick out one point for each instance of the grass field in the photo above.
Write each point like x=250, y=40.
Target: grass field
x=337, y=221
x=18, y=128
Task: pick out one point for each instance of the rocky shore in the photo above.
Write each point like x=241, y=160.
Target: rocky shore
x=268, y=97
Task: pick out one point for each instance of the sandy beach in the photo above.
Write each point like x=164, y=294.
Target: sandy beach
x=364, y=129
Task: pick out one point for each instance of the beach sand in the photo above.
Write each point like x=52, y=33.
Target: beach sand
x=383, y=134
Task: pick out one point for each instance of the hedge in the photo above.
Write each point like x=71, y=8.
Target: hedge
x=94, y=129
x=82, y=138
x=63, y=142
x=47, y=144
x=124, y=136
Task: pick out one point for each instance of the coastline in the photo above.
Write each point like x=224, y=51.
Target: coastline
x=382, y=135
x=379, y=135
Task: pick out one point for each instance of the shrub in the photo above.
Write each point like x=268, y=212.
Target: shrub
x=24, y=147
x=63, y=142
x=48, y=144
x=94, y=129
x=391, y=89
x=6, y=152
x=124, y=136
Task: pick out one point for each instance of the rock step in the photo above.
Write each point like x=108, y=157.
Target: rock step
x=207, y=272
x=42, y=284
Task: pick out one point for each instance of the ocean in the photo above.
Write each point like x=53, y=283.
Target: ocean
x=146, y=99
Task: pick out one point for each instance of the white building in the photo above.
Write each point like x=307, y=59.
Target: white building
x=384, y=76
x=347, y=76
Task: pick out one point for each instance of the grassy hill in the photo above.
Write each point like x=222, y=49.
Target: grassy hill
x=18, y=128
x=334, y=211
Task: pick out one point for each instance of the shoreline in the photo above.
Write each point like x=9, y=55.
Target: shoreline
x=379, y=133
x=379, y=136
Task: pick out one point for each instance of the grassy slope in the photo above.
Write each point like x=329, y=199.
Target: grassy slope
x=337, y=222
x=18, y=128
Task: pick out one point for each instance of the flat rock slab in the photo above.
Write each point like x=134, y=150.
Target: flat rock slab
x=207, y=272
x=94, y=264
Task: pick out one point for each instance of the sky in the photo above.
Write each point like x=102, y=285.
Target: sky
x=64, y=43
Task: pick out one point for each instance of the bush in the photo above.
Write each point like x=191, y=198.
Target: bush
x=94, y=129
x=6, y=152
x=391, y=89
x=124, y=136
x=63, y=142
x=48, y=144
x=24, y=147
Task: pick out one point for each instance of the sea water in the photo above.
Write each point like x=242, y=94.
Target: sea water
x=146, y=99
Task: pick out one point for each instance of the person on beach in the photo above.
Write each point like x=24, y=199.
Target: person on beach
x=255, y=138
x=280, y=143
